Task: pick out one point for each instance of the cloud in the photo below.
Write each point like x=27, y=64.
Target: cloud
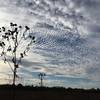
x=67, y=37
x=74, y=58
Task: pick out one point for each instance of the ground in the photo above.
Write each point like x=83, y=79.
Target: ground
x=9, y=92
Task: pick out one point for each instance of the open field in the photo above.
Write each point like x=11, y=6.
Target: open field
x=8, y=92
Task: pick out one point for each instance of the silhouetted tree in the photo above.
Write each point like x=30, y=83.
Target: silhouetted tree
x=15, y=42
x=41, y=77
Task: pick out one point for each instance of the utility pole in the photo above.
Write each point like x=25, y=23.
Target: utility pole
x=41, y=77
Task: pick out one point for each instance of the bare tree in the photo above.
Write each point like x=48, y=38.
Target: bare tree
x=41, y=77
x=15, y=42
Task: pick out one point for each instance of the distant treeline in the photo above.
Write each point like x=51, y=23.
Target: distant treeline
x=60, y=89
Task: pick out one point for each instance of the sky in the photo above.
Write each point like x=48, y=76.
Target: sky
x=67, y=44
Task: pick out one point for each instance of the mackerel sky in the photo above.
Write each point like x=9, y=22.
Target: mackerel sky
x=67, y=44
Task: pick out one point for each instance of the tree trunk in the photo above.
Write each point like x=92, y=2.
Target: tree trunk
x=14, y=76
